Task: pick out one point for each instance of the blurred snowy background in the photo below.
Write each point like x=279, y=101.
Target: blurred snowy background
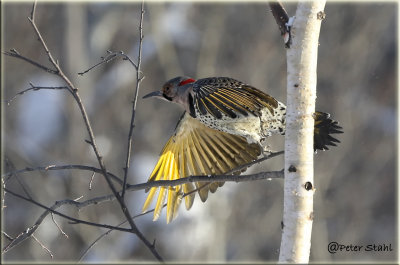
x=355, y=199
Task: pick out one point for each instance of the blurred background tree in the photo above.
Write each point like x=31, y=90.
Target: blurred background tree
x=355, y=200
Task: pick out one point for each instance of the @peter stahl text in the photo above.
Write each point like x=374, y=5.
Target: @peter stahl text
x=335, y=247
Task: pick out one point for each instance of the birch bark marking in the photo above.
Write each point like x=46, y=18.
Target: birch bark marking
x=299, y=166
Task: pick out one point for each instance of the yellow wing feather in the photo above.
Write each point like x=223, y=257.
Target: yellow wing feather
x=155, y=175
x=195, y=149
x=161, y=195
x=183, y=172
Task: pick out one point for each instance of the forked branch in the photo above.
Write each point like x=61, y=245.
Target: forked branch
x=74, y=91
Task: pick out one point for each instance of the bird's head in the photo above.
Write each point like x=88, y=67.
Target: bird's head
x=176, y=90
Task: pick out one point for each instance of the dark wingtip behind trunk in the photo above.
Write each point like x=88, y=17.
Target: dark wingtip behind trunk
x=323, y=128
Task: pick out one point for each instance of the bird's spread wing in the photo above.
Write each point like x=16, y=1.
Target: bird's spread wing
x=224, y=95
x=195, y=149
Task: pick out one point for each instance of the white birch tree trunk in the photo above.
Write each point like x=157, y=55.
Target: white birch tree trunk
x=299, y=166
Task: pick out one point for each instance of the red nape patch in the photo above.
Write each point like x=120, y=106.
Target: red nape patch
x=187, y=81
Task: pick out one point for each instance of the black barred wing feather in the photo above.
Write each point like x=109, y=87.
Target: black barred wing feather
x=220, y=96
x=195, y=149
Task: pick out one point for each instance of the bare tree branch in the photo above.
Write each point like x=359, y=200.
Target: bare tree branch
x=10, y=238
x=109, y=231
x=108, y=58
x=138, y=81
x=97, y=240
x=35, y=88
x=159, y=183
x=58, y=226
x=75, y=94
x=64, y=167
x=111, y=197
x=15, y=54
x=257, y=161
x=226, y=177
x=43, y=246
x=91, y=180
x=29, y=231
x=211, y=178
x=94, y=201
x=9, y=164
x=51, y=210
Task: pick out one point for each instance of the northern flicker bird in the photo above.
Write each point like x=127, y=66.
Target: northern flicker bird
x=221, y=129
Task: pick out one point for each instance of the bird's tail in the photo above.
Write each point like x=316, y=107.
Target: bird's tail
x=324, y=127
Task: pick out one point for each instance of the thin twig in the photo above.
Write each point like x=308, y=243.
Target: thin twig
x=110, y=57
x=15, y=54
x=110, y=230
x=64, y=167
x=257, y=161
x=28, y=232
x=97, y=240
x=59, y=72
x=58, y=226
x=210, y=178
x=43, y=246
x=57, y=205
x=91, y=181
x=35, y=88
x=132, y=124
x=7, y=236
x=10, y=164
x=3, y=202
x=19, y=239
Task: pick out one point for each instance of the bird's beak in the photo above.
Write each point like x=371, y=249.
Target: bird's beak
x=154, y=94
